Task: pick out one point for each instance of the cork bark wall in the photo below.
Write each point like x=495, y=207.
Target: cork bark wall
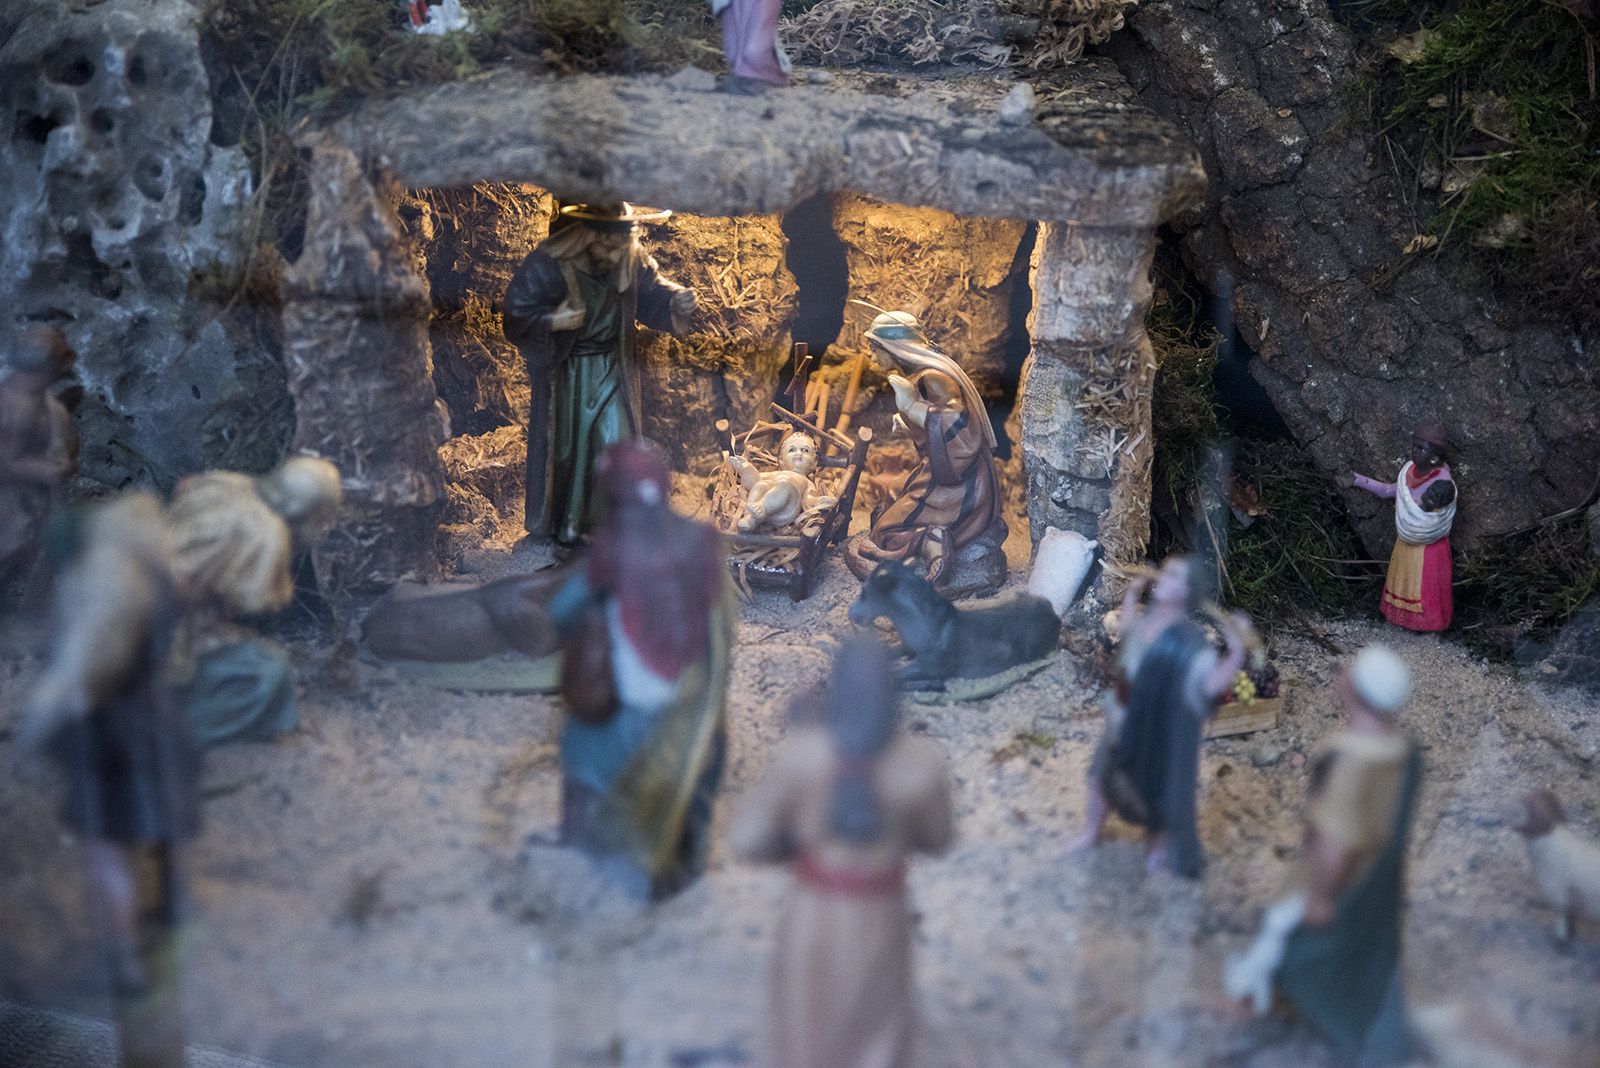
x=1307, y=227
x=1086, y=389
x=355, y=322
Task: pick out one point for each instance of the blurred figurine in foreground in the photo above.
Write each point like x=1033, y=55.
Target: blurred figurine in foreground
x=106, y=710
x=646, y=623
x=1416, y=595
x=37, y=446
x=750, y=44
x=1169, y=679
x=233, y=538
x=1333, y=951
x=945, y=520
x=1566, y=865
x=572, y=308
x=846, y=801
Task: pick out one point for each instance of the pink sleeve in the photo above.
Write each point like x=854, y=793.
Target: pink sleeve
x=1372, y=485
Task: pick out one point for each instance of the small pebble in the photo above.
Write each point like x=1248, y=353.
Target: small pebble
x=1018, y=106
x=1266, y=756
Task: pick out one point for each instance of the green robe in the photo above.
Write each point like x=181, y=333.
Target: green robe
x=589, y=408
x=1345, y=977
x=585, y=382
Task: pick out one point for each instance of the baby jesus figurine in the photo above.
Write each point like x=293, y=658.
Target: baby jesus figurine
x=774, y=499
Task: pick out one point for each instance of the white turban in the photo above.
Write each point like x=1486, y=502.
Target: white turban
x=1381, y=679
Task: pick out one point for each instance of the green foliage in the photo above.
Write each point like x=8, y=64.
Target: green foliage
x=1184, y=408
x=310, y=53
x=1501, y=99
x=1301, y=552
x=1525, y=585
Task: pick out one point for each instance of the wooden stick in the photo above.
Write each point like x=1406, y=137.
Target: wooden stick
x=776, y=541
x=847, y=407
x=806, y=425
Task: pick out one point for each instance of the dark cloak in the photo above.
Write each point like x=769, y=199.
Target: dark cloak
x=132, y=763
x=538, y=288
x=1345, y=977
x=1150, y=778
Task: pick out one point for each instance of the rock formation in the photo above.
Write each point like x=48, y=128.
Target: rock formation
x=1358, y=340
x=123, y=225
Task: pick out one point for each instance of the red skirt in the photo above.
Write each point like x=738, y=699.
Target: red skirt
x=1416, y=595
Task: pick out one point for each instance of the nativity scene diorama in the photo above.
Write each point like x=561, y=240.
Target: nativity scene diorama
x=808, y=535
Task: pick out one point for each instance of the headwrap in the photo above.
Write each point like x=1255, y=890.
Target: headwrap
x=1415, y=524
x=901, y=336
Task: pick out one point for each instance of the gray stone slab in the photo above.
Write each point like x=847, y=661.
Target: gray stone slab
x=1092, y=155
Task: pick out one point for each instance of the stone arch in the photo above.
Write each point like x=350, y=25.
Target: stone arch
x=1096, y=172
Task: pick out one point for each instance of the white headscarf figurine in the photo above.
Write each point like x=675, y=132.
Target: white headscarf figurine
x=948, y=509
x=903, y=350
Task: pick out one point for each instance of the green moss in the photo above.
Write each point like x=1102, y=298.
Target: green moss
x=1523, y=587
x=1185, y=412
x=1301, y=553
x=1502, y=95
x=308, y=54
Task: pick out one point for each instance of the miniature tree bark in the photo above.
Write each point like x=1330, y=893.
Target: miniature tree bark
x=1086, y=390
x=360, y=371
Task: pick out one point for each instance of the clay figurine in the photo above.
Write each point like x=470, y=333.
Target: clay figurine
x=776, y=498
x=106, y=710
x=1416, y=595
x=1333, y=951
x=572, y=308
x=233, y=538
x=1566, y=865
x=750, y=44
x=37, y=446
x=845, y=802
x=948, y=643
x=1169, y=679
x=646, y=622
x=414, y=622
x=946, y=516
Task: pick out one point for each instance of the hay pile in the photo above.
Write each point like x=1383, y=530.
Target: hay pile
x=844, y=33
x=1067, y=27
x=1035, y=34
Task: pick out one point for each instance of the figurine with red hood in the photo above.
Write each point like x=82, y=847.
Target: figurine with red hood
x=646, y=624
x=1416, y=594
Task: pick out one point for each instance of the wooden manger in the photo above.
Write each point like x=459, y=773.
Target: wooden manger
x=789, y=558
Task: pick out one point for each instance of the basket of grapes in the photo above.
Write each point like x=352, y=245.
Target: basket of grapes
x=1253, y=704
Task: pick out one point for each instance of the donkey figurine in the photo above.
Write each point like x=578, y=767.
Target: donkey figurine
x=946, y=642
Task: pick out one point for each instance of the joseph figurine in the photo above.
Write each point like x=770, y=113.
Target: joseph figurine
x=572, y=308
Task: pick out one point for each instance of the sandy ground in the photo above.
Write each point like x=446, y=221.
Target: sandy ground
x=367, y=895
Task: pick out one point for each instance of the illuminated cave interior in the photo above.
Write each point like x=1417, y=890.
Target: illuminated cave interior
x=762, y=281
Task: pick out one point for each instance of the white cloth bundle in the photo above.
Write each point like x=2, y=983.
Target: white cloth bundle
x=1060, y=566
x=1415, y=525
x=446, y=16
x=1249, y=975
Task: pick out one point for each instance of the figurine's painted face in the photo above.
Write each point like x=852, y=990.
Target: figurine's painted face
x=1424, y=454
x=1172, y=584
x=610, y=246
x=799, y=454
x=886, y=360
